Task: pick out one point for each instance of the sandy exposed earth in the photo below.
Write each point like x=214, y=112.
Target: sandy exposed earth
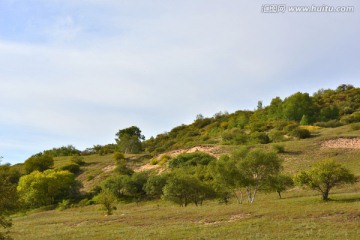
x=351, y=143
x=211, y=150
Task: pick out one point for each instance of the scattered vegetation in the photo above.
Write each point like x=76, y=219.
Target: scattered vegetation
x=248, y=165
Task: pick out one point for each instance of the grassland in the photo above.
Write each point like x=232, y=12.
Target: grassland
x=300, y=215
x=268, y=218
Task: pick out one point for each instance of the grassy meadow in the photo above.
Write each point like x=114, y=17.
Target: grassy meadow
x=293, y=217
x=301, y=214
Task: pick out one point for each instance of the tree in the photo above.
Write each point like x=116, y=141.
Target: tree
x=48, y=187
x=129, y=140
x=279, y=183
x=8, y=198
x=39, y=162
x=155, y=184
x=257, y=168
x=117, y=185
x=297, y=105
x=304, y=120
x=182, y=188
x=227, y=178
x=323, y=176
x=107, y=199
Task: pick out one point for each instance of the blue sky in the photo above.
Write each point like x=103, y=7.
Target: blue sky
x=75, y=72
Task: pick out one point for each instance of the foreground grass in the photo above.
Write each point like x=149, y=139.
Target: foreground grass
x=268, y=218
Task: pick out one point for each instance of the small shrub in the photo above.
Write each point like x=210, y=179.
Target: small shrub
x=90, y=177
x=291, y=126
x=259, y=137
x=279, y=148
x=79, y=160
x=85, y=202
x=276, y=136
x=164, y=159
x=72, y=167
x=107, y=199
x=300, y=133
x=65, y=204
x=352, y=118
x=355, y=126
x=154, y=161
x=329, y=124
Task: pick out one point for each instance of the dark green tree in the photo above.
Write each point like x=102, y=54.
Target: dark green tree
x=297, y=105
x=279, y=183
x=227, y=178
x=183, y=189
x=39, y=162
x=8, y=198
x=323, y=176
x=155, y=184
x=130, y=140
x=257, y=168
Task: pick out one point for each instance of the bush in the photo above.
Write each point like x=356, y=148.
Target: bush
x=79, y=160
x=259, y=137
x=154, y=161
x=90, y=177
x=355, y=126
x=291, y=126
x=279, y=148
x=191, y=159
x=107, y=199
x=39, y=162
x=329, y=124
x=353, y=118
x=276, y=136
x=65, y=204
x=300, y=133
x=235, y=136
x=72, y=167
x=154, y=185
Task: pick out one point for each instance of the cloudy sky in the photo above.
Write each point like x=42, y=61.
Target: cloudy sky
x=75, y=72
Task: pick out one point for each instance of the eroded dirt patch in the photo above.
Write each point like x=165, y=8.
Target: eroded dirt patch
x=211, y=150
x=350, y=143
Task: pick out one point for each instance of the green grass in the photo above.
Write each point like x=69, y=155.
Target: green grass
x=268, y=218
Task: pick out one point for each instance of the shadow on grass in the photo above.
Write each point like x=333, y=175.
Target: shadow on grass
x=345, y=200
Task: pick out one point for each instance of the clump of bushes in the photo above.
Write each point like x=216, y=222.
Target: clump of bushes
x=191, y=159
x=276, y=136
x=352, y=118
x=329, y=124
x=259, y=137
x=300, y=133
x=355, y=126
x=279, y=148
x=79, y=160
x=71, y=167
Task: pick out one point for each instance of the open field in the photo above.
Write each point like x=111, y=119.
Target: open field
x=268, y=218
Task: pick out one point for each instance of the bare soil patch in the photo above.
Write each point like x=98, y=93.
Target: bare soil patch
x=211, y=150
x=350, y=143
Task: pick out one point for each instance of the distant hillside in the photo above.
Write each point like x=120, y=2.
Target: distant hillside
x=277, y=122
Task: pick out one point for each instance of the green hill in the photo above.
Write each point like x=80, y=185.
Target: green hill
x=302, y=129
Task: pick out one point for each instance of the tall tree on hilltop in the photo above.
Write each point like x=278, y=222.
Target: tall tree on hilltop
x=129, y=140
